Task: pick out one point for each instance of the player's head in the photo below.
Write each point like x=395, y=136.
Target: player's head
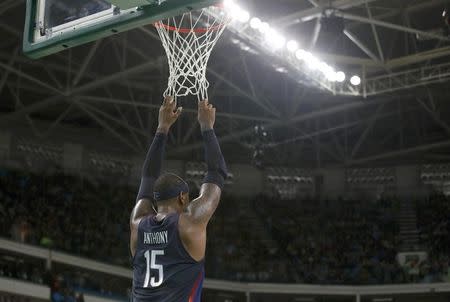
x=170, y=189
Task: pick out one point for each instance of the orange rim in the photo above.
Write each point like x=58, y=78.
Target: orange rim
x=200, y=30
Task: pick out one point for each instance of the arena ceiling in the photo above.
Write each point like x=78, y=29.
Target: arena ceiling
x=114, y=87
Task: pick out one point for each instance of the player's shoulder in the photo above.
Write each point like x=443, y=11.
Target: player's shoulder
x=188, y=223
x=138, y=222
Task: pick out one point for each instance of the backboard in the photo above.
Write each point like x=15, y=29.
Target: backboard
x=52, y=26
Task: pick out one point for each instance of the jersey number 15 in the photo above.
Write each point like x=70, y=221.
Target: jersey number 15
x=151, y=265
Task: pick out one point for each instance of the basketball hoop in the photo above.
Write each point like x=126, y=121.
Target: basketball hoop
x=189, y=40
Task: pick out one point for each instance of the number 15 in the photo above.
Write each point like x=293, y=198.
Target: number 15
x=151, y=264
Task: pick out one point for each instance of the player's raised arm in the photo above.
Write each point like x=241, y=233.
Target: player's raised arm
x=151, y=170
x=202, y=208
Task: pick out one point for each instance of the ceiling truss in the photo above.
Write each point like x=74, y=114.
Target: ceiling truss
x=310, y=121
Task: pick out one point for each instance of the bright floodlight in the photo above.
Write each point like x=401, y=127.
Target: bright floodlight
x=275, y=39
x=331, y=76
x=312, y=62
x=229, y=5
x=255, y=23
x=244, y=16
x=300, y=54
x=340, y=76
x=234, y=10
x=325, y=68
x=355, y=80
x=292, y=45
x=264, y=27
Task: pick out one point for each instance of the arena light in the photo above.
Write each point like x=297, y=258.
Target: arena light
x=340, y=76
x=228, y=4
x=244, y=16
x=236, y=12
x=325, y=68
x=355, y=80
x=274, y=39
x=292, y=45
x=255, y=23
x=312, y=62
x=331, y=76
x=264, y=27
x=300, y=54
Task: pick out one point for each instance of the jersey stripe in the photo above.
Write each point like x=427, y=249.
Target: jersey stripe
x=194, y=295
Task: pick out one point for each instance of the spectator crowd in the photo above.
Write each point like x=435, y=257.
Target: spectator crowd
x=306, y=241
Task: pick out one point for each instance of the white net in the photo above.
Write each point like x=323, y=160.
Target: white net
x=188, y=40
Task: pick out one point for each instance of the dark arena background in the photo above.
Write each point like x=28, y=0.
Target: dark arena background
x=338, y=185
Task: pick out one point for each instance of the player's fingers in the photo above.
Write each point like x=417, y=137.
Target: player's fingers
x=210, y=106
x=167, y=100
x=202, y=104
x=178, y=112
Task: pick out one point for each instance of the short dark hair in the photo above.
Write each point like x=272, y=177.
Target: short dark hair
x=167, y=182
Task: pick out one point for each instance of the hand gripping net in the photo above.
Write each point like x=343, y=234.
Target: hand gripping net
x=188, y=40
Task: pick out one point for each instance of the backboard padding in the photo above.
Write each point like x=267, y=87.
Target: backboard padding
x=35, y=45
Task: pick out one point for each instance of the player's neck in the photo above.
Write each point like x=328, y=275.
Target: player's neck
x=167, y=209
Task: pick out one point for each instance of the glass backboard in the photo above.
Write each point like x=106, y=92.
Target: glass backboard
x=63, y=12
x=54, y=25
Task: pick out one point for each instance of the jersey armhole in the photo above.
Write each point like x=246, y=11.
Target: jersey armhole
x=137, y=244
x=185, y=251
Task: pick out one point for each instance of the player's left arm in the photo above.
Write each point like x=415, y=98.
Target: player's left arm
x=168, y=114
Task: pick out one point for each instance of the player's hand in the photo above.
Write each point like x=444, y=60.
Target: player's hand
x=206, y=115
x=168, y=114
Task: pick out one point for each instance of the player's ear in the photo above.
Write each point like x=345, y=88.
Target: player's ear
x=183, y=198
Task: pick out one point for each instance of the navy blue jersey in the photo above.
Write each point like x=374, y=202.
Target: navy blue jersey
x=163, y=271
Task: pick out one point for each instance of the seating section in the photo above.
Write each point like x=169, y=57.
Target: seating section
x=263, y=239
x=337, y=242
x=433, y=217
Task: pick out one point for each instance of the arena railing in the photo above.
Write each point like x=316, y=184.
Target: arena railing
x=247, y=289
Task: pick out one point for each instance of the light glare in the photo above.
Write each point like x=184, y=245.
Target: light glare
x=255, y=23
x=234, y=10
x=355, y=80
x=244, y=16
x=275, y=39
x=228, y=3
x=292, y=45
x=340, y=76
x=300, y=54
x=264, y=27
x=331, y=76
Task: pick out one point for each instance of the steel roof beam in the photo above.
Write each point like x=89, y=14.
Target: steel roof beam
x=419, y=57
x=301, y=118
x=375, y=34
x=391, y=26
x=157, y=106
x=362, y=46
x=77, y=90
x=402, y=152
x=312, y=13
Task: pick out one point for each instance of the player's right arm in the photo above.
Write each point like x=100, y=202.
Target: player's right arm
x=168, y=114
x=193, y=223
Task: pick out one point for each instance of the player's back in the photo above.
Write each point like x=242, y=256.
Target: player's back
x=163, y=271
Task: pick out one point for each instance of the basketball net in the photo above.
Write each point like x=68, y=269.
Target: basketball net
x=188, y=40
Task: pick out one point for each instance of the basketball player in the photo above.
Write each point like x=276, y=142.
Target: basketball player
x=168, y=231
